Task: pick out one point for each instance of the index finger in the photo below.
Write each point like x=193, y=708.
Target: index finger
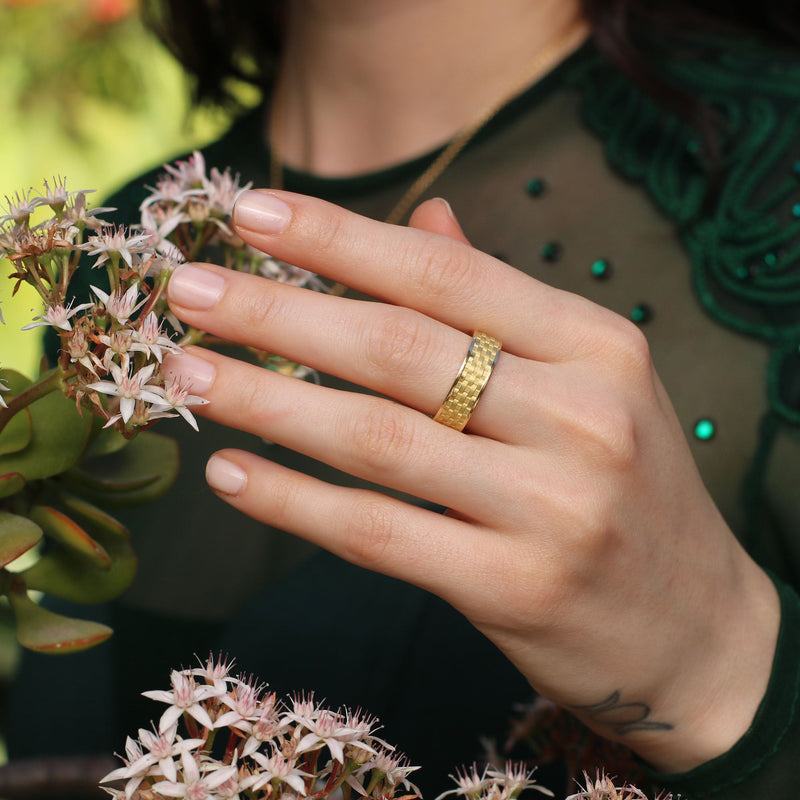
x=445, y=279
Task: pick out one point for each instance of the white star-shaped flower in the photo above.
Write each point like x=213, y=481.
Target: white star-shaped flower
x=128, y=388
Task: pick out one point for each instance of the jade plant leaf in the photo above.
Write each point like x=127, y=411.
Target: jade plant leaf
x=17, y=433
x=103, y=441
x=46, y=632
x=17, y=536
x=93, y=519
x=59, y=527
x=58, y=438
x=11, y=483
x=142, y=471
x=65, y=573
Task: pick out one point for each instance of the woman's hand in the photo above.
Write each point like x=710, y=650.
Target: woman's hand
x=579, y=538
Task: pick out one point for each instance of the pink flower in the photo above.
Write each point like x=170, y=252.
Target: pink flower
x=115, y=241
x=58, y=316
x=129, y=388
x=118, y=304
x=195, y=785
x=175, y=396
x=277, y=768
x=185, y=698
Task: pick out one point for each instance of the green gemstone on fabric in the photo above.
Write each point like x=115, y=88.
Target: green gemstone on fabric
x=705, y=429
x=770, y=259
x=796, y=210
x=551, y=251
x=641, y=313
x=536, y=187
x=601, y=269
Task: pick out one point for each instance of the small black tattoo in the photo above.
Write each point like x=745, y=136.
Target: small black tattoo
x=622, y=718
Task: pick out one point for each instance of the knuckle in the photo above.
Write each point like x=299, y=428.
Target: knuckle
x=382, y=440
x=395, y=341
x=255, y=306
x=630, y=346
x=443, y=265
x=369, y=533
x=327, y=233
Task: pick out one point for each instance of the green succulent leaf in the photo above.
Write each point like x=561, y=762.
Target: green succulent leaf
x=61, y=528
x=58, y=438
x=142, y=471
x=104, y=440
x=46, y=632
x=11, y=483
x=65, y=573
x=17, y=433
x=93, y=519
x=17, y=536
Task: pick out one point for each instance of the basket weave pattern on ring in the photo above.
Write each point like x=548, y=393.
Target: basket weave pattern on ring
x=472, y=378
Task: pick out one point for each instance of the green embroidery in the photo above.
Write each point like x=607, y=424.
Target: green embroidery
x=744, y=248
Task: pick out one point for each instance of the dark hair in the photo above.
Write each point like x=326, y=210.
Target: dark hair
x=220, y=42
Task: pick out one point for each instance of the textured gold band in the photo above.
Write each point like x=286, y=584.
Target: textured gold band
x=471, y=380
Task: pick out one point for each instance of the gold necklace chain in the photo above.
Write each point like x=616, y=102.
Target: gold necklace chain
x=546, y=57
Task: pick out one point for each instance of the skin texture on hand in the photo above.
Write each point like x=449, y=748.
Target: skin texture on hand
x=579, y=538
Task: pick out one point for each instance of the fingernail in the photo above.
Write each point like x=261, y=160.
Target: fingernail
x=224, y=476
x=194, y=287
x=448, y=209
x=261, y=212
x=194, y=371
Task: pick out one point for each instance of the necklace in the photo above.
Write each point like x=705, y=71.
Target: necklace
x=548, y=56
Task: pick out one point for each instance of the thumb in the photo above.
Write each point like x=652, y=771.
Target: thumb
x=436, y=216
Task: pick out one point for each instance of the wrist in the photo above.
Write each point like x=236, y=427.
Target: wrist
x=717, y=690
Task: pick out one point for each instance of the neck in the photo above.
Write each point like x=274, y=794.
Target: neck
x=364, y=84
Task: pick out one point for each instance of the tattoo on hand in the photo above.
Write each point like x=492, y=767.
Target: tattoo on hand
x=622, y=718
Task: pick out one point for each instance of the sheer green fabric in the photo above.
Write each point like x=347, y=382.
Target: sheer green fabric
x=584, y=183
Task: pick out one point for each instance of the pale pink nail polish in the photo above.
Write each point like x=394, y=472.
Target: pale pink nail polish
x=261, y=212
x=197, y=373
x=224, y=476
x=195, y=288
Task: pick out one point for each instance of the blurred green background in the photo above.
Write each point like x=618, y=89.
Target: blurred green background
x=90, y=95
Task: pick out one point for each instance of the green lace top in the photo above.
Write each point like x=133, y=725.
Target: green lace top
x=585, y=183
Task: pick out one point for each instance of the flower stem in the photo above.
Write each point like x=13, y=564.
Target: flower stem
x=48, y=383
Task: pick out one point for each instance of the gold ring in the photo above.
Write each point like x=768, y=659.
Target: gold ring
x=470, y=382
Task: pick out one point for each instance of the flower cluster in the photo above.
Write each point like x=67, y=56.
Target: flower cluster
x=605, y=788
x=244, y=742
x=112, y=345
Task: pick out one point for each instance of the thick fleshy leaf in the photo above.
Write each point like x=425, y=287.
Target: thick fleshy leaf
x=42, y=630
x=94, y=519
x=17, y=433
x=17, y=536
x=58, y=526
x=103, y=441
x=64, y=573
x=59, y=436
x=11, y=483
x=142, y=471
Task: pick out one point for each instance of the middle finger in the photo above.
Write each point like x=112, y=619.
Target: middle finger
x=390, y=350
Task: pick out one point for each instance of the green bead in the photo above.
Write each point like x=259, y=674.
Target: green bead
x=536, y=187
x=601, y=269
x=641, y=313
x=551, y=251
x=705, y=429
x=796, y=210
x=770, y=259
